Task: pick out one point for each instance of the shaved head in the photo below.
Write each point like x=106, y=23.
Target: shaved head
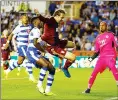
x=103, y=26
x=103, y=22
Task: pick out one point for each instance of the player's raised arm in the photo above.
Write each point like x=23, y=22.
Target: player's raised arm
x=56, y=18
x=42, y=18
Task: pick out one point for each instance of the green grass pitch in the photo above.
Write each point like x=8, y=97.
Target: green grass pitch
x=19, y=87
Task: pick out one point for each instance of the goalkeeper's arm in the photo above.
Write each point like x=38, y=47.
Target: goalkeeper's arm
x=93, y=57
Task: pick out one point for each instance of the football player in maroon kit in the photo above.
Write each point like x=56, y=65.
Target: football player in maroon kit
x=5, y=53
x=51, y=36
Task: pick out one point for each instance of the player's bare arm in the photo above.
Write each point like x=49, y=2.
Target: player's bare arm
x=9, y=39
x=38, y=46
x=14, y=42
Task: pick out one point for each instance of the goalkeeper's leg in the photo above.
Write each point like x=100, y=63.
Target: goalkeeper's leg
x=114, y=69
x=91, y=81
x=99, y=67
x=115, y=74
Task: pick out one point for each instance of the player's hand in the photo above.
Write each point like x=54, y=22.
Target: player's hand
x=87, y=63
x=36, y=12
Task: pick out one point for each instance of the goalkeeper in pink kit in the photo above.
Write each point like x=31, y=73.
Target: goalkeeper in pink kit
x=105, y=49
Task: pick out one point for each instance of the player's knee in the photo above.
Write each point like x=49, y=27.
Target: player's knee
x=73, y=57
x=52, y=71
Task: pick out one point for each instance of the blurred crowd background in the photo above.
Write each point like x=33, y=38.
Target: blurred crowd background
x=81, y=29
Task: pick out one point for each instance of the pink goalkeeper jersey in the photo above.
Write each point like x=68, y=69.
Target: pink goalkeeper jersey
x=106, y=44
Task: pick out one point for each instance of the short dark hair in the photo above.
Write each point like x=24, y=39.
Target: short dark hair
x=58, y=12
x=34, y=18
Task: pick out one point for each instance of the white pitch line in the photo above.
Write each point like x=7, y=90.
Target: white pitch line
x=113, y=98
x=27, y=77
x=14, y=78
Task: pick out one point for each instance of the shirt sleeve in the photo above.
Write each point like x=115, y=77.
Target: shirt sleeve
x=115, y=40
x=47, y=20
x=16, y=30
x=97, y=49
x=36, y=33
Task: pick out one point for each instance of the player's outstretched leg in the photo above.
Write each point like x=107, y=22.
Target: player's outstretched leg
x=65, y=68
x=60, y=65
x=50, y=80
x=41, y=78
x=91, y=81
x=11, y=67
x=66, y=72
x=70, y=59
x=14, y=65
x=113, y=69
x=115, y=74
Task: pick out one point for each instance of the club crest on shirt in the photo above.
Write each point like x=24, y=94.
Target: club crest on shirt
x=107, y=36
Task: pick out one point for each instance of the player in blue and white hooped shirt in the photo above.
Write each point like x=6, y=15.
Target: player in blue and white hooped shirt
x=34, y=55
x=22, y=32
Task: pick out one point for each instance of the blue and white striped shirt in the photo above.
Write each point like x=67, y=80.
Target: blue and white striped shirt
x=22, y=33
x=35, y=33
